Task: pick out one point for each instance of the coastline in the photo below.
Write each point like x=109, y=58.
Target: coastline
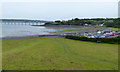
x=79, y=29
x=63, y=26
x=30, y=36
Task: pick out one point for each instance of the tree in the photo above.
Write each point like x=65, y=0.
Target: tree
x=58, y=21
x=76, y=19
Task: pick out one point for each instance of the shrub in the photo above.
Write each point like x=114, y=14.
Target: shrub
x=112, y=40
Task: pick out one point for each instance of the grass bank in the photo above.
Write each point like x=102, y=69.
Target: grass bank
x=58, y=54
x=69, y=30
x=114, y=29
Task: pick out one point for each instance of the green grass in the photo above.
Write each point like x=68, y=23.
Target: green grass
x=115, y=29
x=0, y=54
x=58, y=54
x=69, y=30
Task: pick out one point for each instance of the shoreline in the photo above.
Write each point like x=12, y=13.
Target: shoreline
x=63, y=26
x=30, y=36
x=55, y=34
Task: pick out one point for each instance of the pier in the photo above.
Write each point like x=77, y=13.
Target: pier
x=22, y=22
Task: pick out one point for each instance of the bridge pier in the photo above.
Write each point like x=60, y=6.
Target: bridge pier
x=21, y=22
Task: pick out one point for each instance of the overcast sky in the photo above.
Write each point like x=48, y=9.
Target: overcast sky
x=59, y=10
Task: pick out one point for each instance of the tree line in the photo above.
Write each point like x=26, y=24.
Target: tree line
x=108, y=22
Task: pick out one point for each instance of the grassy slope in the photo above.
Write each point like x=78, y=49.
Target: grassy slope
x=58, y=54
x=0, y=54
x=115, y=29
x=69, y=30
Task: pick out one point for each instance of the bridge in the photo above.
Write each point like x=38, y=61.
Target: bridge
x=22, y=22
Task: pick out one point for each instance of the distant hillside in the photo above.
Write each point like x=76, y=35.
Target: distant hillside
x=108, y=22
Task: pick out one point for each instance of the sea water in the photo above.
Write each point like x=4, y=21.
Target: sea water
x=23, y=30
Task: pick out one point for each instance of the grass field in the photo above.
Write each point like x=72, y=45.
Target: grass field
x=115, y=29
x=69, y=30
x=58, y=54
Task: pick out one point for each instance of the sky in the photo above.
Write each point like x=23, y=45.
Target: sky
x=58, y=10
x=59, y=0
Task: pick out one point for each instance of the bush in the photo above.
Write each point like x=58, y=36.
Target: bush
x=113, y=40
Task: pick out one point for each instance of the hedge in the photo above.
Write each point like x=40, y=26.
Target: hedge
x=112, y=40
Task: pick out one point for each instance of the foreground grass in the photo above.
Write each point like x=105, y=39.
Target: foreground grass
x=58, y=54
x=114, y=29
